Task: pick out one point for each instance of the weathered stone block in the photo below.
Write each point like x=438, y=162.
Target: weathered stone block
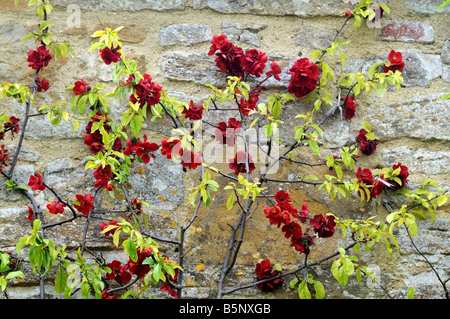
x=118, y=5
x=245, y=33
x=420, y=117
x=426, y=7
x=314, y=38
x=407, y=31
x=185, y=34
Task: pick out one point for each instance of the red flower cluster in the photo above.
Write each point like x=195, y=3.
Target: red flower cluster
x=42, y=85
x=254, y=62
x=12, y=125
x=193, y=112
x=396, y=60
x=136, y=204
x=147, y=91
x=144, y=149
x=36, y=182
x=190, y=159
x=95, y=139
x=246, y=107
x=282, y=213
x=377, y=184
x=4, y=156
x=170, y=146
x=225, y=134
x=238, y=164
x=365, y=146
x=403, y=176
x=304, y=74
x=103, y=226
x=85, y=203
x=233, y=60
x=80, y=87
x=56, y=207
x=350, y=107
x=118, y=272
x=102, y=176
x=275, y=70
x=167, y=287
x=265, y=270
x=136, y=267
x=110, y=55
x=323, y=227
x=39, y=58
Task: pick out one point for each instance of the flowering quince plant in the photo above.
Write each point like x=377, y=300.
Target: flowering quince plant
x=115, y=148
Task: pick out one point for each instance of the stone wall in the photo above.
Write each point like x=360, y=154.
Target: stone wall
x=170, y=41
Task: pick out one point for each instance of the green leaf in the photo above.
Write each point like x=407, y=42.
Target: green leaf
x=320, y=290
x=230, y=201
x=303, y=291
x=61, y=280
x=412, y=290
x=131, y=249
x=293, y=283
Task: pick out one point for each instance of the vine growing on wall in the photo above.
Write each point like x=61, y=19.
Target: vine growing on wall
x=116, y=147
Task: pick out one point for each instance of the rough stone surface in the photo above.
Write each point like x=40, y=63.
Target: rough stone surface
x=244, y=33
x=117, y=5
x=302, y=8
x=426, y=7
x=445, y=52
x=314, y=38
x=420, y=68
x=421, y=117
x=185, y=34
x=407, y=31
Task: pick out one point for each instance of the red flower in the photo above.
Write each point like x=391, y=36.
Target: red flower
x=137, y=268
x=396, y=60
x=12, y=125
x=366, y=147
x=275, y=70
x=403, y=175
x=365, y=176
x=118, y=272
x=193, y=113
x=39, y=58
x=324, y=228
x=230, y=60
x=304, y=212
x=264, y=270
x=378, y=186
x=85, y=203
x=350, y=107
x=102, y=176
x=110, y=55
x=170, y=146
x=302, y=243
x=292, y=228
x=304, y=74
x=254, y=62
x=103, y=226
x=276, y=215
x=56, y=207
x=219, y=42
x=30, y=213
x=144, y=149
x=282, y=198
x=147, y=91
x=4, y=156
x=225, y=134
x=106, y=296
x=80, y=87
x=190, y=160
x=42, y=85
x=239, y=164
x=36, y=182
x=167, y=287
